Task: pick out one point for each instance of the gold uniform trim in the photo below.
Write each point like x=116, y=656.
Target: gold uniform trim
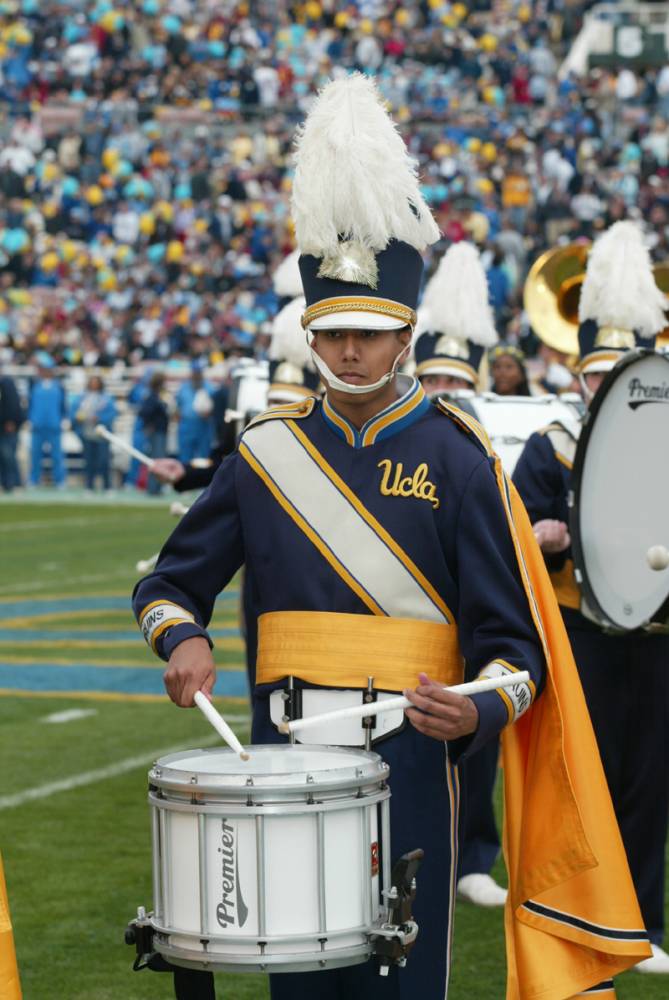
x=566, y=589
x=296, y=411
x=345, y=650
x=300, y=390
x=387, y=307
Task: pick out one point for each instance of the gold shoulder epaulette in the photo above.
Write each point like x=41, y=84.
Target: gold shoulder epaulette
x=468, y=424
x=285, y=411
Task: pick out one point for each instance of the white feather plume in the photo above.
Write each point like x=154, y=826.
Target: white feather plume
x=289, y=342
x=456, y=297
x=354, y=177
x=286, y=279
x=619, y=288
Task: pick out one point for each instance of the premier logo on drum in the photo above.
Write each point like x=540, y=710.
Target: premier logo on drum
x=232, y=910
x=640, y=393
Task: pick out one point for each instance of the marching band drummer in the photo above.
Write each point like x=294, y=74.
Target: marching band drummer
x=381, y=539
x=460, y=326
x=625, y=678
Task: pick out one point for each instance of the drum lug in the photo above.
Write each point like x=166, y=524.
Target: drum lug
x=139, y=933
x=395, y=937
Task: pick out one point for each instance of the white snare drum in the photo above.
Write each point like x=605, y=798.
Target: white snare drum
x=510, y=420
x=272, y=863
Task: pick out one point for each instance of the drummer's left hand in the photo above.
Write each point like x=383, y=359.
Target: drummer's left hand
x=443, y=715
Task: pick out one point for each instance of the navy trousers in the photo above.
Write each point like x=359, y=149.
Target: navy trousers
x=626, y=684
x=479, y=837
x=424, y=808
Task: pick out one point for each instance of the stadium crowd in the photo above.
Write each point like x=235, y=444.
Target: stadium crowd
x=145, y=157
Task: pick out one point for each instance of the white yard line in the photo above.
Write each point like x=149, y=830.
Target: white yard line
x=69, y=715
x=49, y=523
x=102, y=773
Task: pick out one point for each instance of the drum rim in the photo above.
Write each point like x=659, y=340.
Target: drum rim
x=576, y=480
x=371, y=766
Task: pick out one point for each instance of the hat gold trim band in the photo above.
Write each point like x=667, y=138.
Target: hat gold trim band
x=386, y=307
x=437, y=366
x=596, y=357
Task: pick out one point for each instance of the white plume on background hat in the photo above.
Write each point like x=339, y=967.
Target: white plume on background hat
x=456, y=298
x=619, y=288
x=286, y=280
x=288, y=342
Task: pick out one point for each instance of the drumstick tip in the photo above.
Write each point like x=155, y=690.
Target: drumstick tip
x=284, y=728
x=245, y=756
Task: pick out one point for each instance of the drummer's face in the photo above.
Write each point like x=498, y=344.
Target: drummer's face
x=360, y=357
x=593, y=380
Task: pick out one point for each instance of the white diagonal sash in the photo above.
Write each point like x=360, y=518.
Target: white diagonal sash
x=345, y=532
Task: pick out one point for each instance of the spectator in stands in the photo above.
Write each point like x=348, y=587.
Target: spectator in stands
x=46, y=413
x=11, y=416
x=93, y=407
x=194, y=413
x=155, y=417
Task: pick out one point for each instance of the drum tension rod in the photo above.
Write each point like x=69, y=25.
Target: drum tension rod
x=369, y=721
x=292, y=708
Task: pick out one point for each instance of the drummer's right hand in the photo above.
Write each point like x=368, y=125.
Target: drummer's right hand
x=168, y=470
x=552, y=536
x=191, y=668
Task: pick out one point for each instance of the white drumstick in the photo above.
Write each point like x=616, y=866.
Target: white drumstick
x=219, y=724
x=178, y=509
x=145, y=565
x=118, y=442
x=658, y=557
x=393, y=704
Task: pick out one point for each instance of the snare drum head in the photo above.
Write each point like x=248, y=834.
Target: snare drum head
x=283, y=765
x=620, y=487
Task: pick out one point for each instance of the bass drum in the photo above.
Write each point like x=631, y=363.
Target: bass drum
x=510, y=420
x=619, y=511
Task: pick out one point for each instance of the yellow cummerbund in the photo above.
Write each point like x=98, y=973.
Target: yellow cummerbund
x=564, y=584
x=343, y=651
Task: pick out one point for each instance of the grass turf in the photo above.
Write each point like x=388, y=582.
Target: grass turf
x=78, y=861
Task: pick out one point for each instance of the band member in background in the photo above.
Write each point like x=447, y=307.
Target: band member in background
x=457, y=324
x=625, y=677
x=381, y=539
x=508, y=371
x=459, y=327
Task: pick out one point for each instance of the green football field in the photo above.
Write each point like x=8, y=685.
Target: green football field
x=82, y=717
